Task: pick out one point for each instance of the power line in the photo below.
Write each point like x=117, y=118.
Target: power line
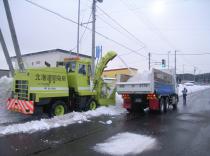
x=53, y=12
x=114, y=28
x=149, y=23
x=121, y=33
x=83, y=34
x=116, y=22
x=182, y=54
x=98, y=33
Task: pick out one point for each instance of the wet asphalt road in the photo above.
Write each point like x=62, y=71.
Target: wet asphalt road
x=184, y=132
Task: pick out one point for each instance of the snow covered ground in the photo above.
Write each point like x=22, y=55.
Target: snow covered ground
x=192, y=89
x=70, y=118
x=67, y=119
x=126, y=144
x=45, y=124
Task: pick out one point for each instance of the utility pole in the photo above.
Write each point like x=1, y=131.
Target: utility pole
x=13, y=34
x=168, y=59
x=194, y=72
x=6, y=53
x=183, y=72
x=78, y=27
x=175, y=62
x=93, y=35
x=175, y=65
x=149, y=61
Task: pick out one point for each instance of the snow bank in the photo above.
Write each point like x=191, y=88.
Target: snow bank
x=67, y=119
x=5, y=89
x=126, y=144
x=192, y=89
x=108, y=122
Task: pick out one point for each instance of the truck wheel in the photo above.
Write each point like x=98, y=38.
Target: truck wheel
x=166, y=105
x=92, y=105
x=129, y=110
x=162, y=106
x=58, y=108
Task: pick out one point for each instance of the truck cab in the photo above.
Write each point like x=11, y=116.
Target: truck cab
x=79, y=75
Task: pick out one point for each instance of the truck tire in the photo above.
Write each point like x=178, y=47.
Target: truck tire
x=129, y=110
x=176, y=102
x=166, y=105
x=162, y=106
x=92, y=105
x=58, y=108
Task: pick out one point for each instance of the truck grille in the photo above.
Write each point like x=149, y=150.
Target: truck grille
x=21, y=89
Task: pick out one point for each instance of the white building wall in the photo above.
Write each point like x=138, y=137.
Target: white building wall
x=38, y=60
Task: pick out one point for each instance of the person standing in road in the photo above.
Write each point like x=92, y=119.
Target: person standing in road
x=184, y=93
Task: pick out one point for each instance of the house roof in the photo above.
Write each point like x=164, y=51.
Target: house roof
x=54, y=50
x=119, y=69
x=4, y=70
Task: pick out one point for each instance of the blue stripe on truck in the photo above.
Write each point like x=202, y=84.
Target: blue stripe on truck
x=164, y=89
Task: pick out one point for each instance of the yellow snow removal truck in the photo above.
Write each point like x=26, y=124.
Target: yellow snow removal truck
x=60, y=89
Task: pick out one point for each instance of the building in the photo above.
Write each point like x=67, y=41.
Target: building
x=199, y=78
x=43, y=58
x=114, y=73
x=4, y=72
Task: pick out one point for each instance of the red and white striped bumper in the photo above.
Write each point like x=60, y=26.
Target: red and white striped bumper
x=22, y=106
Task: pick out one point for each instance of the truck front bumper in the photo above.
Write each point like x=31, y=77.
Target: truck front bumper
x=22, y=106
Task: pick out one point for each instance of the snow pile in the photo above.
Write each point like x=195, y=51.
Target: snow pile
x=108, y=122
x=192, y=89
x=5, y=89
x=67, y=119
x=126, y=144
x=141, y=77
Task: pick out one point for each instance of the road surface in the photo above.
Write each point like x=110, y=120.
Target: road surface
x=183, y=132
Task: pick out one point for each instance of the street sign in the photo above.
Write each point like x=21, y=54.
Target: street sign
x=98, y=51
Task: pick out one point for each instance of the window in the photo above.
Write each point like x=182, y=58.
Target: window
x=89, y=70
x=38, y=62
x=82, y=69
x=58, y=64
x=70, y=66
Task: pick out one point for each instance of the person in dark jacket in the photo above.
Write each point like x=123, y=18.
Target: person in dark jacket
x=184, y=93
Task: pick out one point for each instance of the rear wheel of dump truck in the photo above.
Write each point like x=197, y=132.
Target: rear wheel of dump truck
x=92, y=104
x=162, y=105
x=166, y=105
x=58, y=108
x=129, y=110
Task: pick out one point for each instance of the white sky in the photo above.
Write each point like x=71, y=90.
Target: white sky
x=162, y=25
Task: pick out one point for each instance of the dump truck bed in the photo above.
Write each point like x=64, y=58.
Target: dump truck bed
x=157, y=81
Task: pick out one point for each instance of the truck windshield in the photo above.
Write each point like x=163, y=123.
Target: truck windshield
x=70, y=66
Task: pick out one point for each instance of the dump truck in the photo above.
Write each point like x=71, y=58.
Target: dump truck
x=156, y=90
x=58, y=90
